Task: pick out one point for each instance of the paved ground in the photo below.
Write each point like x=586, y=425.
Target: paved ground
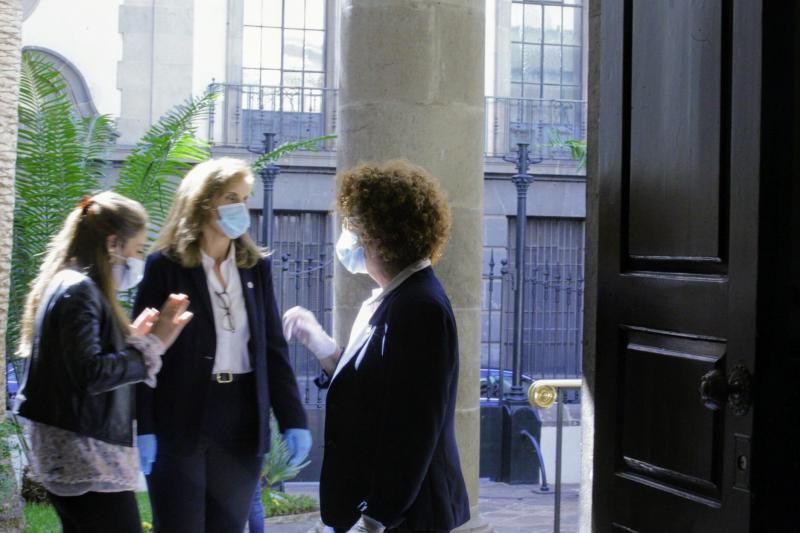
x=507, y=508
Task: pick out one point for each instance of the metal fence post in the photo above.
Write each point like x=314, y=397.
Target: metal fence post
x=544, y=393
x=522, y=180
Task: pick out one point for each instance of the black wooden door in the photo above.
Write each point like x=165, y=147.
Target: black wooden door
x=677, y=153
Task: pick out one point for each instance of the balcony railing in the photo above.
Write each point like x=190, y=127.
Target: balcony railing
x=245, y=112
x=543, y=124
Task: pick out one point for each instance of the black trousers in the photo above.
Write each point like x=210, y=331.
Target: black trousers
x=98, y=512
x=210, y=489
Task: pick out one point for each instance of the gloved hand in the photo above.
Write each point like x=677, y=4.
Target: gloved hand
x=147, y=452
x=298, y=442
x=366, y=524
x=300, y=323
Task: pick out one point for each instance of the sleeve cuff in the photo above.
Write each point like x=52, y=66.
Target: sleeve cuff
x=152, y=349
x=323, y=381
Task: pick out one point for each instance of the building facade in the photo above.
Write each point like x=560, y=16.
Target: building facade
x=276, y=66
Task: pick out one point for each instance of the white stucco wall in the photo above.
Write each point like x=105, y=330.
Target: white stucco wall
x=86, y=33
x=210, y=22
x=490, y=47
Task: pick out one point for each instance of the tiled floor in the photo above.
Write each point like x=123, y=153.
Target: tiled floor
x=507, y=508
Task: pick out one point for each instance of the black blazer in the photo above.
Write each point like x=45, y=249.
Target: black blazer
x=174, y=410
x=79, y=374
x=390, y=443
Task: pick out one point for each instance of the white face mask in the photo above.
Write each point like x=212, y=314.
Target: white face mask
x=129, y=274
x=350, y=252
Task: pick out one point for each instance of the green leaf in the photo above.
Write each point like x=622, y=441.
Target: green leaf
x=284, y=149
x=157, y=163
x=577, y=148
x=59, y=159
x=276, y=467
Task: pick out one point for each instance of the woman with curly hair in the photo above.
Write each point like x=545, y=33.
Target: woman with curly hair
x=391, y=461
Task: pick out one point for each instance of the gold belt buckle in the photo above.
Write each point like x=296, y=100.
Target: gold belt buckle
x=224, y=377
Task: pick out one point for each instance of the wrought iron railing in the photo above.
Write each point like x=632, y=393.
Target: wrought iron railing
x=243, y=113
x=544, y=124
x=552, y=320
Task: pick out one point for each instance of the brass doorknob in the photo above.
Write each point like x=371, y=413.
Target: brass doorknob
x=542, y=396
x=716, y=390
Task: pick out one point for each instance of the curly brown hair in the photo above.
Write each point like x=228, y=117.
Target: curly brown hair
x=397, y=209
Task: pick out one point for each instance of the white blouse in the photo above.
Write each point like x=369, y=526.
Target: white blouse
x=230, y=315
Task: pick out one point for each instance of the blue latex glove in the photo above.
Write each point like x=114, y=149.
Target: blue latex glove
x=298, y=442
x=147, y=452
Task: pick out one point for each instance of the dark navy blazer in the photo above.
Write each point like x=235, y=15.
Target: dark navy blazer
x=174, y=410
x=390, y=443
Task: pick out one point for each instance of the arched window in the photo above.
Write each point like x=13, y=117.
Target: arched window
x=76, y=84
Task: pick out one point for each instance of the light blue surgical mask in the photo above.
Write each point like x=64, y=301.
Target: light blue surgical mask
x=350, y=252
x=234, y=219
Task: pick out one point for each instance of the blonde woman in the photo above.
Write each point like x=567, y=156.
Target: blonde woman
x=205, y=427
x=82, y=357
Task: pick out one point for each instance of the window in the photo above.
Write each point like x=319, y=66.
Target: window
x=284, y=43
x=546, y=49
x=283, y=70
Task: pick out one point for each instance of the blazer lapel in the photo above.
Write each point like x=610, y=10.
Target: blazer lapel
x=201, y=286
x=248, y=290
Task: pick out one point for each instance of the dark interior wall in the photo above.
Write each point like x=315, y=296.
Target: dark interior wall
x=776, y=455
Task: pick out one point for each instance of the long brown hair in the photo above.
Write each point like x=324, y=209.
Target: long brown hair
x=82, y=243
x=179, y=239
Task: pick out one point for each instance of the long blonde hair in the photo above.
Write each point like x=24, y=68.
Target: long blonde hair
x=179, y=239
x=82, y=243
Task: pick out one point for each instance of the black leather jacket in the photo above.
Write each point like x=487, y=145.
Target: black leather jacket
x=79, y=372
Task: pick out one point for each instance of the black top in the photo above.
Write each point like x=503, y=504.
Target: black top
x=390, y=444
x=175, y=409
x=79, y=371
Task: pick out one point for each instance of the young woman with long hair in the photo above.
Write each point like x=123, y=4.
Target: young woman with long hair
x=82, y=358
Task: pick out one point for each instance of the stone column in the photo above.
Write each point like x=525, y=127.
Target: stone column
x=155, y=73
x=411, y=86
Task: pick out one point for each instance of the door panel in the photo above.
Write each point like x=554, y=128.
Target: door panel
x=677, y=153
x=661, y=371
x=674, y=51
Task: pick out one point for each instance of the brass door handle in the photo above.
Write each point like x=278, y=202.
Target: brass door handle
x=736, y=390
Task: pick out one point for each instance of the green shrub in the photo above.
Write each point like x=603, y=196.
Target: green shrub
x=276, y=467
x=278, y=503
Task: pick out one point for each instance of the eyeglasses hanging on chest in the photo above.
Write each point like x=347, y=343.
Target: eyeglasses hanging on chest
x=224, y=301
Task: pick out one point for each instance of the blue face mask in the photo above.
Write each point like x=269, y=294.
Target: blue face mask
x=350, y=252
x=234, y=219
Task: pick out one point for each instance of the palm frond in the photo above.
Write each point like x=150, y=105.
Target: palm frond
x=56, y=153
x=98, y=136
x=284, y=149
x=152, y=171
